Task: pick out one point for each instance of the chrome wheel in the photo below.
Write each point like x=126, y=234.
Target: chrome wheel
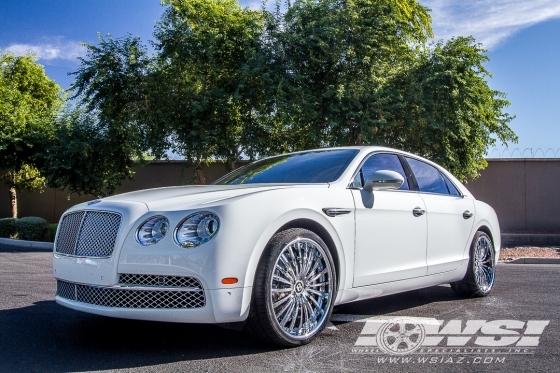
x=479, y=279
x=483, y=265
x=301, y=288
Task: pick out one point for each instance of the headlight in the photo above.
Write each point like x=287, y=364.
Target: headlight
x=152, y=230
x=197, y=229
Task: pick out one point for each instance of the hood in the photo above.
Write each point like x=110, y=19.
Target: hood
x=167, y=197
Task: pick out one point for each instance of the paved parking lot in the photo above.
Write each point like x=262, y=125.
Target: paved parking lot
x=37, y=335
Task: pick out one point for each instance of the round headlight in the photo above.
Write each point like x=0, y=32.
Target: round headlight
x=152, y=230
x=197, y=229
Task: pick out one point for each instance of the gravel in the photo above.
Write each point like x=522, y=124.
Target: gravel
x=511, y=253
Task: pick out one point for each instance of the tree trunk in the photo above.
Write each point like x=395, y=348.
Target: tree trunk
x=200, y=179
x=13, y=200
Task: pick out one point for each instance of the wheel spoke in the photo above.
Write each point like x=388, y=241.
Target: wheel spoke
x=317, y=284
x=289, y=307
x=281, y=279
x=282, y=290
x=319, y=275
x=282, y=301
x=294, y=317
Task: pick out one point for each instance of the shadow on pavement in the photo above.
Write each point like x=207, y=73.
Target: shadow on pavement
x=46, y=337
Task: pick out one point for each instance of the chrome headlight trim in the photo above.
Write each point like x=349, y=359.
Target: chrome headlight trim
x=196, y=229
x=158, y=229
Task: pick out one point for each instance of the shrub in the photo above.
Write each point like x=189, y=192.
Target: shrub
x=52, y=232
x=31, y=228
x=8, y=228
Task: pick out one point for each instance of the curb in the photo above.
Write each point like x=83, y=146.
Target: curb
x=24, y=246
x=535, y=261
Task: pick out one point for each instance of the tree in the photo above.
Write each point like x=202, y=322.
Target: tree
x=29, y=104
x=210, y=58
x=445, y=110
x=226, y=82
x=360, y=73
x=87, y=155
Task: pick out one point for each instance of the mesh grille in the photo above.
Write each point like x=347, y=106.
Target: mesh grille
x=88, y=233
x=68, y=233
x=154, y=280
x=129, y=298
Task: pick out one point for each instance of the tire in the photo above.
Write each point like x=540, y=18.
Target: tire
x=479, y=279
x=294, y=289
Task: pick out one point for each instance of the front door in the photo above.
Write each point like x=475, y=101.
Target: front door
x=390, y=239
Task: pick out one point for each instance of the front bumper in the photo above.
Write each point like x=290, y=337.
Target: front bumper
x=156, y=303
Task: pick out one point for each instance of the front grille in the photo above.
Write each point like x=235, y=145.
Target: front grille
x=154, y=280
x=88, y=233
x=131, y=298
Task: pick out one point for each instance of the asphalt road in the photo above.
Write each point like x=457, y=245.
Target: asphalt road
x=37, y=335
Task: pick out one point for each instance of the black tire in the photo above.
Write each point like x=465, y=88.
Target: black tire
x=304, y=293
x=479, y=279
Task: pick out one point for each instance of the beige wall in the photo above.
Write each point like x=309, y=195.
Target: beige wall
x=524, y=192
x=52, y=203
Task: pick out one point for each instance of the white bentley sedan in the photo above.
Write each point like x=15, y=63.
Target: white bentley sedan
x=274, y=245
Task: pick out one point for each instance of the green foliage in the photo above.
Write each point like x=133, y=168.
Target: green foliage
x=87, y=156
x=212, y=67
x=8, y=228
x=29, y=104
x=27, y=177
x=225, y=81
x=52, y=232
x=31, y=228
x=445, y=110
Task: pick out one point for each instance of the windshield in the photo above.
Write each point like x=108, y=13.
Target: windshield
x=320, y=166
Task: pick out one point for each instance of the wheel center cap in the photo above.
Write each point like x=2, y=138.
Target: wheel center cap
x=299, y=287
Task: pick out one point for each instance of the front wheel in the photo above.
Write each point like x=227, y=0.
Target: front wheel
x=294, y=289
x=479, y=279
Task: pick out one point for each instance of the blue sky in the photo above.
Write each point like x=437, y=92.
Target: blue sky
x=523, y=39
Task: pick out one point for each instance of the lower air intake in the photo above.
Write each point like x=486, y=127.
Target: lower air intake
x=131, y=298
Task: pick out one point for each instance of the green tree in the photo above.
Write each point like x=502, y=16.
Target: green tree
x=211, y=62
x=332, y=59
x=86, y=156
x=226, y=82
x=29, y=105
x=360, y=73
x=445, y=110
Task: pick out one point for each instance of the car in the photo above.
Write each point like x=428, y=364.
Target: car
x=272, y=246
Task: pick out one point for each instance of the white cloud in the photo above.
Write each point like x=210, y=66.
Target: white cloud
x=489, y=21
x=50, y=50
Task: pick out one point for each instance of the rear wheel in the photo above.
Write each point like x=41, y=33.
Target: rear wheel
x=294, y=289
x=479, y=279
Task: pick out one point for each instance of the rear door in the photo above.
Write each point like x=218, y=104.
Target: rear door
x=449, y=217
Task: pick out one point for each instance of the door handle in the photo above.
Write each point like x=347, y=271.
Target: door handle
x=418, y=211
x=467, y=214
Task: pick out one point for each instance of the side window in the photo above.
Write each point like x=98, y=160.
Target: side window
x=452, y=190
x=378, y=162
x=428, y=177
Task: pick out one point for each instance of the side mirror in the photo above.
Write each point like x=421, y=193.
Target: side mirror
x=383, y=180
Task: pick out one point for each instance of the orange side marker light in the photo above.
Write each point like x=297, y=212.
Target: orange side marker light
x=229, y=281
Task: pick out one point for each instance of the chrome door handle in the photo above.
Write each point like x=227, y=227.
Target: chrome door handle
x=418, y=211
x=467, y=214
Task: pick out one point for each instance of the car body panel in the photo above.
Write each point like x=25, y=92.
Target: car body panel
x=390, y=240
x=398, y=246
